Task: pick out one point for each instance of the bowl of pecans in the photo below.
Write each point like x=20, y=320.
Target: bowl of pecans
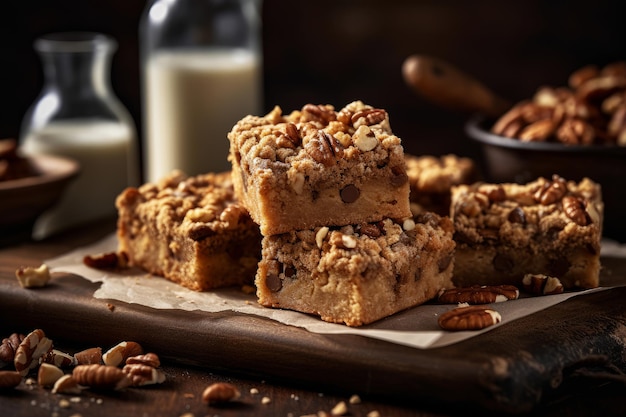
x=28, y=186
x=575, y=131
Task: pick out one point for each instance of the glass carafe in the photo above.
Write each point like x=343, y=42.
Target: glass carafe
x=201, y=71
x=77, y=115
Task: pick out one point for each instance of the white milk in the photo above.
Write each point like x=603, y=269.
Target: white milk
x=107, y=156
x=193, y=99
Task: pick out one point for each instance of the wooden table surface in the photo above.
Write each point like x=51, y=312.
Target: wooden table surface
x=262, y=395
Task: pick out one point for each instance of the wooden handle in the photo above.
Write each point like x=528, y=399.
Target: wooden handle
x=448, y=87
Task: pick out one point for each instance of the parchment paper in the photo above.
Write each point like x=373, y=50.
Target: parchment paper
x=416, y=327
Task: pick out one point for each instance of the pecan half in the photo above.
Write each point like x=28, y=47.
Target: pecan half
x=574, y=208
x=320, y=113
x=368, y=117
x=551, y=191
x=575, y=132
x=101, y=377
x=324, y=148
x=469, y=318
x=479, y=294
x=8, y=347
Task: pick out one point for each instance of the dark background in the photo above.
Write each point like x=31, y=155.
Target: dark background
x=336, y=51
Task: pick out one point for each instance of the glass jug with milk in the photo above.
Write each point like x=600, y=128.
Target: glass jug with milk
x=77, y=115
x=201, y=73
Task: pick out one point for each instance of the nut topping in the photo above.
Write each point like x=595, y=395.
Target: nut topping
x=469, y=318
x=479, y=294
x=552, y=191
x=574, y=208
x=368, y=117
x=324, y=148
x=365, y=139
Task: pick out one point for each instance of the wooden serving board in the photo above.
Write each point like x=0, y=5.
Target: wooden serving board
x=512, y=368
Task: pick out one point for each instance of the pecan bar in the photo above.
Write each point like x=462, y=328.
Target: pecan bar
x=319, y=167
x=548, y=226
x=360, y=273
x=432, y=177
x=190, y=230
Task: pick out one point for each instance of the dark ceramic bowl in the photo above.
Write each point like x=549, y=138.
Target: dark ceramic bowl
x=511, y=160
x=23, y=200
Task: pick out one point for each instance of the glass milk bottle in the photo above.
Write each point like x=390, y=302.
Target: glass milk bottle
x=78, y=116
x=201, y=73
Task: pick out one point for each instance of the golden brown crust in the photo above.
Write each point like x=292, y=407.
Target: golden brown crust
x=548, y=226
x=318, y=166
x=357, y=274
x=190, y=230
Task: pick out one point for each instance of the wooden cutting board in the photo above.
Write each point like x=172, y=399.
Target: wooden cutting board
x=512, y=368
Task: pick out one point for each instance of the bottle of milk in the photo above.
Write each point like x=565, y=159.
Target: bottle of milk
x=201, y=73
x=77, y=115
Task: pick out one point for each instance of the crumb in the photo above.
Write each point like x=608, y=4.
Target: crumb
x=63, y=403
x=254, y=391
x=340, y=409
x=355, y=399
x=374, y=413
x=266, y=400
x=111, y=307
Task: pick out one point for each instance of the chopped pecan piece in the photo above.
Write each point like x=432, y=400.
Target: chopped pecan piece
x=539, y=284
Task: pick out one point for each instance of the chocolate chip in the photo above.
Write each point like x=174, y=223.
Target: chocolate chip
x=350, y=193
x=559, y=266
x=517, y=216
x=399, y=177
x=290, y=271
x=444, y=262
x=273, y=282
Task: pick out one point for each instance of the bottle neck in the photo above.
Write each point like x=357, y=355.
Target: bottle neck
x=80, y=74
x=77, y=64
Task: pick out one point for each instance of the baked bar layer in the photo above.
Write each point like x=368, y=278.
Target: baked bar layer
x=319, y=167
x=189, y=230
x=357, y=274
x=548, y=226
x=432, y=177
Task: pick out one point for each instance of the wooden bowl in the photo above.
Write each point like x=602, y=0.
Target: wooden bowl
x=511, y=160
x=23, y=200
